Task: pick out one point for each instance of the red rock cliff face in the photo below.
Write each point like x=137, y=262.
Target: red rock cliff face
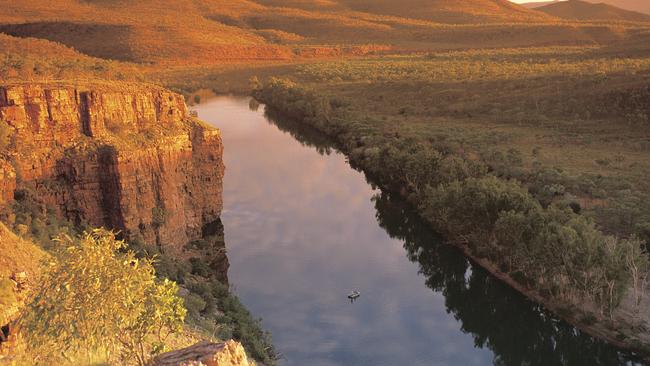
x=129, y=158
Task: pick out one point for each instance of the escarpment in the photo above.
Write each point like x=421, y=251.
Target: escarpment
x=123, y=156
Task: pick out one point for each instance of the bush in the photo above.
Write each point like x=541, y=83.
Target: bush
x=473, y=206
x=35, y=220
x=6, y=132
x=643, y=232
x=158, y=216
x=98, y=296
x=195, y=305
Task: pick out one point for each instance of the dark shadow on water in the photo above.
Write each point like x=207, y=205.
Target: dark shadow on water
x=516, y=330
x=306, y=135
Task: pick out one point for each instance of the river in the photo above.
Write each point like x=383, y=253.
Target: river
x=303, y=229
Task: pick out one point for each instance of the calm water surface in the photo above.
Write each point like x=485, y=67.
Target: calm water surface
x=303, y=229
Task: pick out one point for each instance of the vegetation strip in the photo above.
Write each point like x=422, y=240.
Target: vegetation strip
x=554, y=254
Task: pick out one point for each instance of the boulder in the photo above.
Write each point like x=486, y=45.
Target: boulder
x=205, y=353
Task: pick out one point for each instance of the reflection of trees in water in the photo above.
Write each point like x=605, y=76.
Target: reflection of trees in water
x=518, y=331
x=305, y=134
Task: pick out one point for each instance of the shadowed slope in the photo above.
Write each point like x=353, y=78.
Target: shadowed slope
x=143, y=31
x=583, y=10
x=641, y=6
x=203, y=32
x=444, y=11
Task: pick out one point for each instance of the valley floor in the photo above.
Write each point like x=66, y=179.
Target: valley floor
x=567, y=125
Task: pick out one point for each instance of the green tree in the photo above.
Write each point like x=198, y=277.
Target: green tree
x=96, y=295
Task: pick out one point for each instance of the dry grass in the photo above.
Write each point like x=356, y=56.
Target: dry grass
x=555, y=107
x=207, y=32
x=18, y=255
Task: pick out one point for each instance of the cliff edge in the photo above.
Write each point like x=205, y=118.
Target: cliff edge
x=124, y=156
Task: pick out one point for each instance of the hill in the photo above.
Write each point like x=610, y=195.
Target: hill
x=641, y=6
x=213, y=32
x=537, y=4
x=441, y=11
x=583, y=10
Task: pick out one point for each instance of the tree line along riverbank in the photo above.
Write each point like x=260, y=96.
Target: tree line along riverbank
x=544, y=248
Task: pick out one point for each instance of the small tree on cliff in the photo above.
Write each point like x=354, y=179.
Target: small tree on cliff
x=97, y=296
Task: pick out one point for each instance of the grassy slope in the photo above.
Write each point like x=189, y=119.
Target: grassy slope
x=468, y=11
x=144, y=31
x=641, y=6
x=18, y=255
x=555, y=107
x=212, y=32
x=583, y=10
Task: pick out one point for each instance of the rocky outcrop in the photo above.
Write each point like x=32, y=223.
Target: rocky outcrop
x=230, y=353
x=122, y=156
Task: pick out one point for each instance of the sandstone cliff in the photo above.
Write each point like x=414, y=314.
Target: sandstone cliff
x=122, y=156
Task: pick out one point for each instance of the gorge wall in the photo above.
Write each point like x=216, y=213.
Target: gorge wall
x=123, y=156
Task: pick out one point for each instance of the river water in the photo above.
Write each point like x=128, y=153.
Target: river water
x=303, y=229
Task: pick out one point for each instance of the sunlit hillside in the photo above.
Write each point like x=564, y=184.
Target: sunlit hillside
x=483, y=162
x=142, y=31
x=31, y=59
x=217, y=31
x=583, y=10
x=642, y=6
x=443, y=11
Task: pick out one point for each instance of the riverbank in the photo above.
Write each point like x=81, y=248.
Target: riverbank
x=385, y=156
x=129, y=157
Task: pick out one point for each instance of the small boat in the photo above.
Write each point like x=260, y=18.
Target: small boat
x=354, y=295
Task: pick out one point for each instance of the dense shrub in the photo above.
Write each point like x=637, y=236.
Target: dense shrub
x=97, y=296
x=230, y=316
x=474, y=205
x=32, y=218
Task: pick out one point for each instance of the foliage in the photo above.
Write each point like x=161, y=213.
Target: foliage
x=158, y=216
x=538, y=238
x=96, y=295
x=211, y=306
x=468, y=66
x=232, y=320
x=32, y=218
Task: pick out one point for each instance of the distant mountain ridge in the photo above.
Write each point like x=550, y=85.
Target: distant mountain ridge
x=583, y=10
x=220, y=31
x=641, y=6
x=443, y=11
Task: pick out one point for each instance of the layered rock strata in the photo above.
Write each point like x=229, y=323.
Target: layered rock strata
x=126, y=157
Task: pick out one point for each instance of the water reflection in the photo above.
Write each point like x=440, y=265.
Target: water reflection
x=302, y=232
x=518, y=331
x=304, y=134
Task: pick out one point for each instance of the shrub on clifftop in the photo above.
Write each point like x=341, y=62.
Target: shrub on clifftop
x=96, y=296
